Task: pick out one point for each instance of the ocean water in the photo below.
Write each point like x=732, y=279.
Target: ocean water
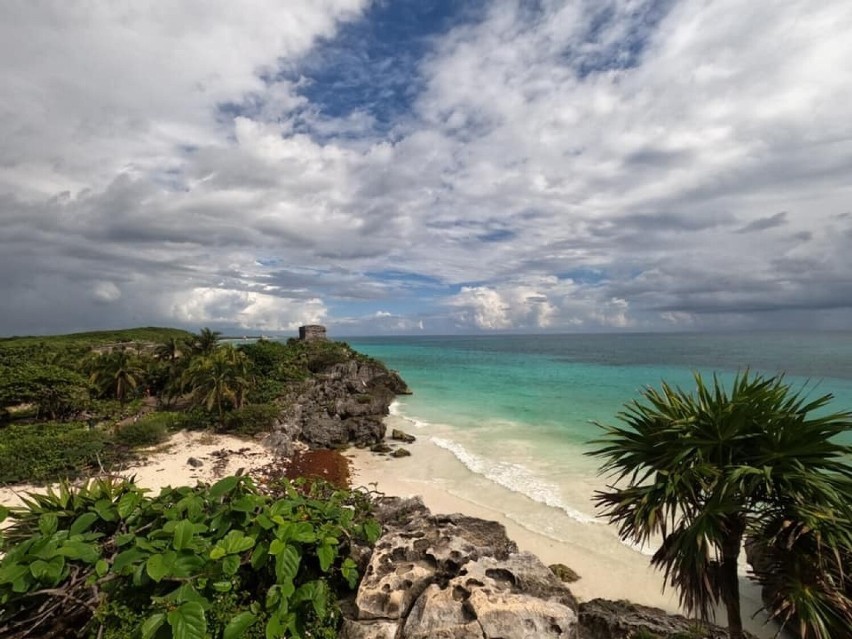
x=520, y=410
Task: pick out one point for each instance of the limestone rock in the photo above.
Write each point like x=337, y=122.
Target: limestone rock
x=345, y=404
x=402, y=436
x=401, y=452
x=194, y=462
x=602, y=619
x=564, y=573
x=453, y=576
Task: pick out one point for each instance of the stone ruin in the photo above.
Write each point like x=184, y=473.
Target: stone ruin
x=311, y=332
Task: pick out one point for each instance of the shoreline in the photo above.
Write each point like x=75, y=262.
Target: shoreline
x=608, y=568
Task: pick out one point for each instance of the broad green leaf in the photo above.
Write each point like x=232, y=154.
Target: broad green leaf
x=231, y=564
x=188, y=621
x=303, y=532
x=222, y=586
x=126, y=558
x=182, y=535
x=274, y=628
x=223, y=486
x=127, y=504
x=48, y=571
x=372, y=531
x=80, y=550
x=12, y=572
x=237, y=626
x=236, y=542
x=152, y=625
x=48, y=524
x=287, y=564
x=82, y=523
x=349, y=570
x=106, y=510
x=156, y=567
x=258, y=555
x=187, y=564
x=101, y=567
x=326, y=554
x=276, y=547
x=217, y=552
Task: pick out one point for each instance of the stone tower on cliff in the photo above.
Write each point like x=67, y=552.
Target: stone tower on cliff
x=311, y=332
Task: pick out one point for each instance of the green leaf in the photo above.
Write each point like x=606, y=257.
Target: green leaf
x=152, y=625
x=79, y=550
x=287, y=564
x=276, y=547
x=4, y=512
x=126, y=558
x=274, y=628
x=231, y=565
x=48, y=571
x=128, y=503
x=222, y=586
x=217, y=552
x=101, y=567
x=106, y=510
x=349, y=570
x=223, y=486
x=188, y=621
x=372, y=531
x=82, y=523
x=236, y=542
x=303, y=532
x=326, y=554
x=237, y=626
x=48, y=523
x=156, y=567
x=182, y=535
x=187, y=564
x=258, y=555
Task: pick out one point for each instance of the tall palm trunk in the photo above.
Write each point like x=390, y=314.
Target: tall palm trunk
x=731, y=545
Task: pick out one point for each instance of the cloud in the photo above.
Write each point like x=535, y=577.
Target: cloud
x=527, y=166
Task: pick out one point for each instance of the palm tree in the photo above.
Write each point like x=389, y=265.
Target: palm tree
x=219, y=379
x=206, y=341
x=707, y=469
x=116, y=373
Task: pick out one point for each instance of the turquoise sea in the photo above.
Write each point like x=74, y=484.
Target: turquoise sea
x=517, y=408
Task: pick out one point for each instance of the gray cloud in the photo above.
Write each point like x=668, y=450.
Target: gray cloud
x=586, y=166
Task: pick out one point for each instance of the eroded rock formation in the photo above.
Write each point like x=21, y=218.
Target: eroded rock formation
x=454, y=576
x=345, y=404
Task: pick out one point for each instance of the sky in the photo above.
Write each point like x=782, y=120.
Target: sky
x=425, y=166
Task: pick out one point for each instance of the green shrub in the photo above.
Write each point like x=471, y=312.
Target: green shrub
x=212, y=561
x=44, y=452
x=148, y=431
x=251, y=419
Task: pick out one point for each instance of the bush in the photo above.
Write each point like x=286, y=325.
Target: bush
x=148, y=431
x=44, y=452
x=251, y=419
x=224, y=560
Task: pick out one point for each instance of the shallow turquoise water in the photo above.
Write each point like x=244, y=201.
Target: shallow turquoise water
x=555, y=386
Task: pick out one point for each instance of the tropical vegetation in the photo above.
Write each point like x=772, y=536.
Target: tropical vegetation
x=710, y=470
x=230, y=560
x=76, y=402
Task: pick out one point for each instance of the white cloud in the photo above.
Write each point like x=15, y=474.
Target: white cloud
x=549, y=173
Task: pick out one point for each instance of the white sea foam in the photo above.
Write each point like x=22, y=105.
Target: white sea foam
x=515, y=477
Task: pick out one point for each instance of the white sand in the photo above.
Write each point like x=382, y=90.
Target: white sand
x=166, y=464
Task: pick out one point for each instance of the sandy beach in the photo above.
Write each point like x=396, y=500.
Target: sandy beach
x=168, y=464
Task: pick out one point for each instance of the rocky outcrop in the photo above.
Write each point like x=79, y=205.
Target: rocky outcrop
x=458, y=577
x=602, y=619
x=344, y=404
x=454, y=576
